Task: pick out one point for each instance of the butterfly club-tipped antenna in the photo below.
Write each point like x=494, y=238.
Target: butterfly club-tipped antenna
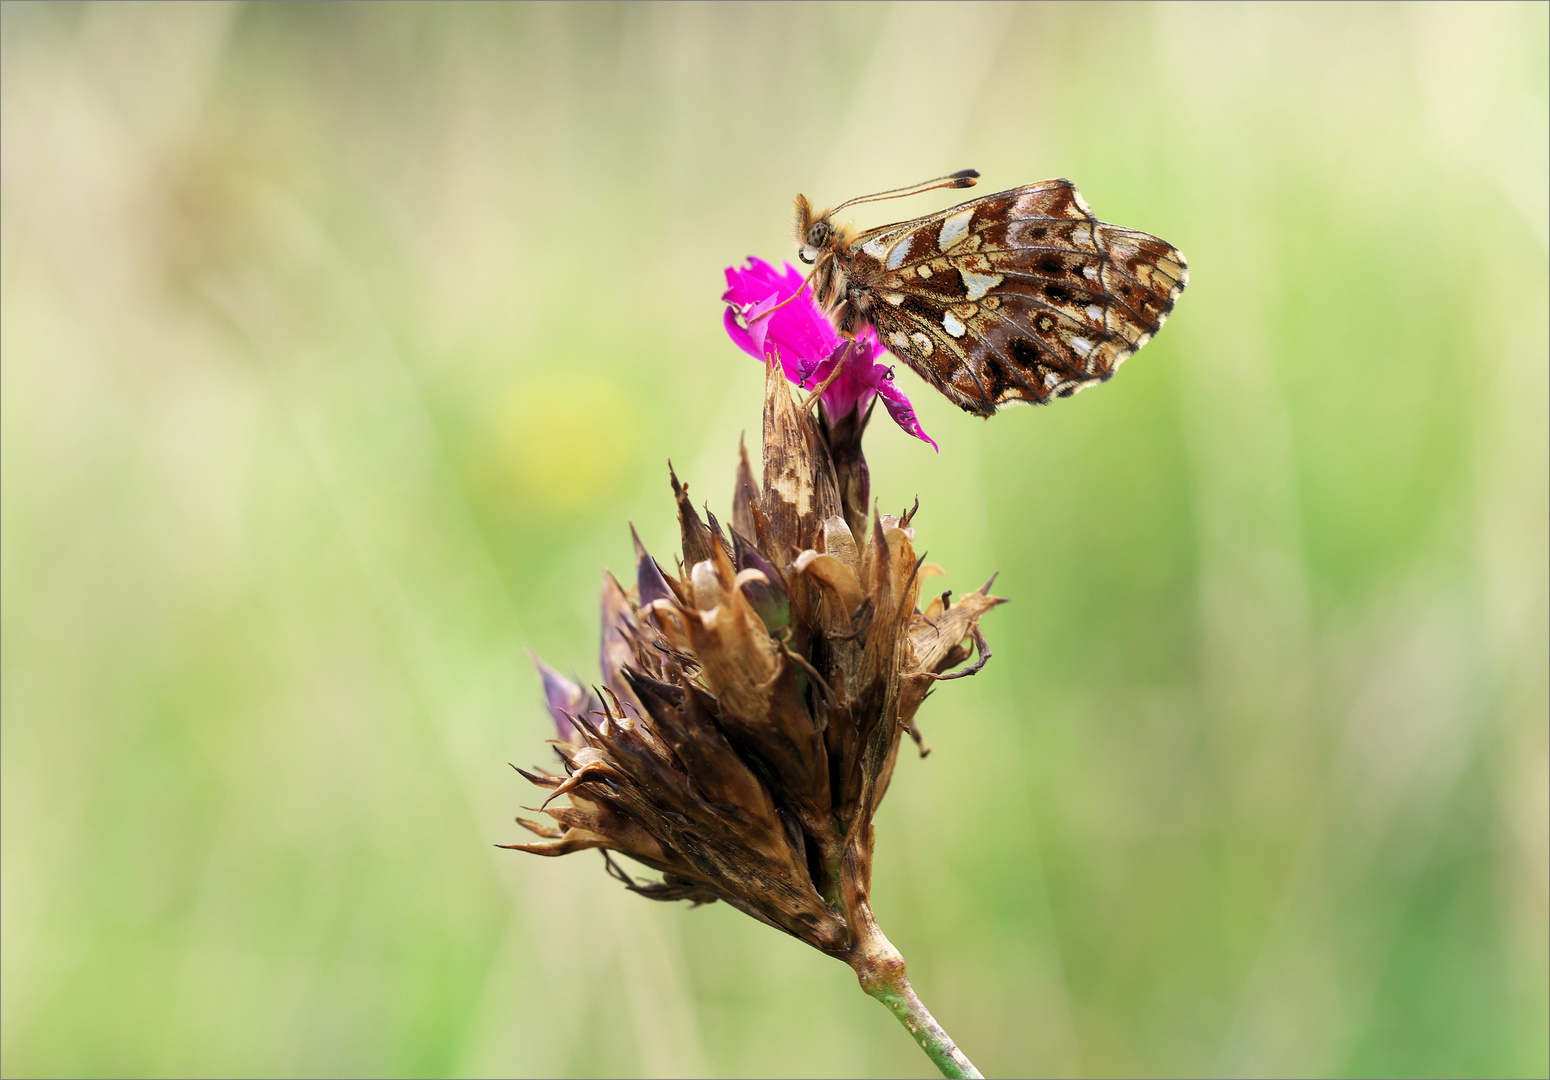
x=814, y=231
x=961, y=179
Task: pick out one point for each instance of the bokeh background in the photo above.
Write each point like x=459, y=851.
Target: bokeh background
x=340, y=342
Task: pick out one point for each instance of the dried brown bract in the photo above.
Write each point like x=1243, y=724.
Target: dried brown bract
x=755, y=696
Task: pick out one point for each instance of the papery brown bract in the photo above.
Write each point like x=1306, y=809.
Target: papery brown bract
x=756, y=697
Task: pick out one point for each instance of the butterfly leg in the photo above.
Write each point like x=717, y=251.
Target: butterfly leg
x=811, y=401
x=813, y=398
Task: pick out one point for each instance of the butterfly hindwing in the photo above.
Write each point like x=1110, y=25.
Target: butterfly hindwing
x=1021, y=296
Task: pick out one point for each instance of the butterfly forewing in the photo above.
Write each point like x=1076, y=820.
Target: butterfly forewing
x=1020, y=296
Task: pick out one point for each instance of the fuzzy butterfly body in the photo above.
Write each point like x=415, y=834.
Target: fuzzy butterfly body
x=1021, y=296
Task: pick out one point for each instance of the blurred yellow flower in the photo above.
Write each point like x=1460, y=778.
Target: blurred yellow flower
x=567, y=441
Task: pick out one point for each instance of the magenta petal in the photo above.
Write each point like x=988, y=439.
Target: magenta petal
x=854, y=384
x=740, y=282
x=901, y=410
x=759, y=279
x=788, y=367
x=758, y=324
x=739, y=334
x=766, y=318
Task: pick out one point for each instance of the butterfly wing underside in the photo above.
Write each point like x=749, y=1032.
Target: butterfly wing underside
x=1021, y=296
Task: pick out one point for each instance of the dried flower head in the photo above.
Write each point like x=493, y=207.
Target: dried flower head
x=754, y=698
x=765, y=322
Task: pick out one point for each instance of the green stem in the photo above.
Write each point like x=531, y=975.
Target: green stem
x=902, y=1001
x=882, y=974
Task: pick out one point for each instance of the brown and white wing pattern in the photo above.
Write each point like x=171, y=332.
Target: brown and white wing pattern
x=1021, y=296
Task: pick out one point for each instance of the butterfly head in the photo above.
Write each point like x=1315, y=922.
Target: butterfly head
x=813, y=232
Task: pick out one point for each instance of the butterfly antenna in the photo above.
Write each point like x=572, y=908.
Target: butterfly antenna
x=961, y=179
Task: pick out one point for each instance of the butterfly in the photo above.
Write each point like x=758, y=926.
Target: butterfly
x=1021, y=296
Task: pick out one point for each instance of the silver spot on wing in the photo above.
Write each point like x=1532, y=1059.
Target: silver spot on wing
x=877, y=247
x=977, y=285
x=954, y=229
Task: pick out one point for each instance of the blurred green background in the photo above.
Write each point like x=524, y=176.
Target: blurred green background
x=341, y=341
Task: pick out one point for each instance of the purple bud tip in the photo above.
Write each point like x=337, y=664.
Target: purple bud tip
x=561, y=696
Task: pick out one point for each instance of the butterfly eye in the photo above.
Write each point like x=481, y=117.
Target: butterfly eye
x=817, y=233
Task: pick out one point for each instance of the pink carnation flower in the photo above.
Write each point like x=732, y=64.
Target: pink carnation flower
x=808, y=347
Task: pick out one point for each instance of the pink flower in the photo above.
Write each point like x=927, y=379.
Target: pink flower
x=808, y=347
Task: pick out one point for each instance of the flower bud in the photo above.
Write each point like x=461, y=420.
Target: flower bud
x=752, y=704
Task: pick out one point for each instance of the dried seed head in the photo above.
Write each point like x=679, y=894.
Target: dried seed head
x=753, y=703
